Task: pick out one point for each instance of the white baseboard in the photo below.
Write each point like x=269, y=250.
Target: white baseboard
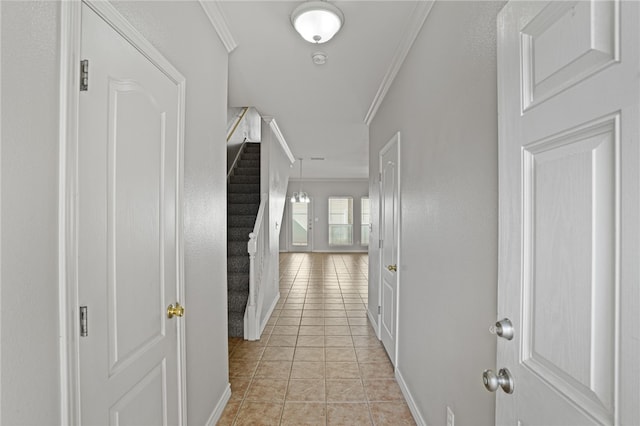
x=374, y=323
x=417, y=416
x=339, y=251
x=217, y=411
x=271, y=308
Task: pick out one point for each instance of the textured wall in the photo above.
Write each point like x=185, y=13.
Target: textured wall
x=444, y=104
x=29, y=309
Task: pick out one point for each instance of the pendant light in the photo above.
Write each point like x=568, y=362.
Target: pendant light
x=317, y=21
x=300, y=197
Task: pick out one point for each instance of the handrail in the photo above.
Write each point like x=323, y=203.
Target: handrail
x=235, y=126
x=235, y=160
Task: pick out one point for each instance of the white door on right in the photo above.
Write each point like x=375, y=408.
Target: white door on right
x=389, y=229
x=568, y=79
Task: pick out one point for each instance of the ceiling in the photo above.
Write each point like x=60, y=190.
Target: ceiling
x=320, y=109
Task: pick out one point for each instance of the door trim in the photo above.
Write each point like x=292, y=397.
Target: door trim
x=69, y=348
x=395, y=139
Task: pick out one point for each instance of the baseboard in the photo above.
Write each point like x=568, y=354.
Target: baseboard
x=337, y=251
x=271, y=308
x=409, y=398
x=374, y=323
x=217, y=411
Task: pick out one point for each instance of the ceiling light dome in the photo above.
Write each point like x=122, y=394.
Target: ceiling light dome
x=317, y=21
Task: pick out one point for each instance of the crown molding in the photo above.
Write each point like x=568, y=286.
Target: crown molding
x=219, y=23
x=418, y=17
x=278, y=134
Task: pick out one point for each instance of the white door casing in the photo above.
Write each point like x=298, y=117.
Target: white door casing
x=308, y=247
x=569, y=191
x=129, y=261
x=389, y=253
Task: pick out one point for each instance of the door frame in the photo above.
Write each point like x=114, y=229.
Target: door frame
x=68, y=286
x=394, y=140
x=310, y=220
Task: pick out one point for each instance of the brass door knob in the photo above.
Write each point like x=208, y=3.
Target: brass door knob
x=176, y=311
x=392, y=268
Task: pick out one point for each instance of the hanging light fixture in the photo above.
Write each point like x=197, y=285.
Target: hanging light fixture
x=317, y=21
x=300, y=197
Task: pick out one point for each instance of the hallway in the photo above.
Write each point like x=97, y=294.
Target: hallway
x=319, y=361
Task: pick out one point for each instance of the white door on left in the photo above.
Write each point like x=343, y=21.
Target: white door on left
x=128, y=231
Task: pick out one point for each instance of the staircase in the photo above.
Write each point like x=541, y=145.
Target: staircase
x=243, y=201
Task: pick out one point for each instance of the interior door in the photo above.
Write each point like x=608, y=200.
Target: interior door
x=301, y=226
x=568, y=252
x=389, y=230
x=129, y=166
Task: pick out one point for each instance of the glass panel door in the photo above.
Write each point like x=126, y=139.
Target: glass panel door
x=300, y=236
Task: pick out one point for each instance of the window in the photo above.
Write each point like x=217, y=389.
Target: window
x=364, y=221
x=340, y=221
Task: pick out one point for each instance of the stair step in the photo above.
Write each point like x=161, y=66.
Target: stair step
x=247, y=171
x=237, y=248
x=241, y=221
x=238, y=281
x=249, y=164
x=243, y=188
x=235, y=325
x=238, y=264
x=252, y=147
x=243, y=209
x=243, y=198
x=237, y=301
x=250, y=156
x=235, y=179
x=238, y=234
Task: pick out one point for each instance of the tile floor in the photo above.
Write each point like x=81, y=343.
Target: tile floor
x=319, y=361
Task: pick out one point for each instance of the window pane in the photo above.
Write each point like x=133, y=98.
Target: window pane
x=299, y=236
x=340, y=235
x=340, y=221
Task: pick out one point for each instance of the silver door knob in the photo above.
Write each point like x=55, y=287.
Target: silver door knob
x=502, y=328
x=502, y=380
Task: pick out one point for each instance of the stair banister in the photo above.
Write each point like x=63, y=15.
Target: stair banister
x=255, y=248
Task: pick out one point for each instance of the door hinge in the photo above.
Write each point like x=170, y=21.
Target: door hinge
x=84, y=322
x=380, y=243
x=84, y=75
x=379, y=310
x=379, y=177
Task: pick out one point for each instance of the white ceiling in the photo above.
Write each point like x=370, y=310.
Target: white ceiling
x=320, y=109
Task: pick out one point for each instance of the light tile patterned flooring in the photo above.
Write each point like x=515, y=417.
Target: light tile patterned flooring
x=319, y=361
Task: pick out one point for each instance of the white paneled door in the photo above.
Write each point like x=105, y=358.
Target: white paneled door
x=569, y=197
x=129, y=261
x=390, y=232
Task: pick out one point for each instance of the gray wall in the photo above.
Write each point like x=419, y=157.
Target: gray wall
x=443, y=102
x=275, y=169
x=29, y=311
x=319, y=191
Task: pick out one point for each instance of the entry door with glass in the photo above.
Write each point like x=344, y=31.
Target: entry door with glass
x=301, y=227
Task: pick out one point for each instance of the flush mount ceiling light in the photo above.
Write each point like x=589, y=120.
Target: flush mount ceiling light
x=317, y=21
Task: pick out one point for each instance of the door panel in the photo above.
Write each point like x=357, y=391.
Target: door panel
x=569, y=188
x=389, y=230
x=302, y=226
x=129, y=169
